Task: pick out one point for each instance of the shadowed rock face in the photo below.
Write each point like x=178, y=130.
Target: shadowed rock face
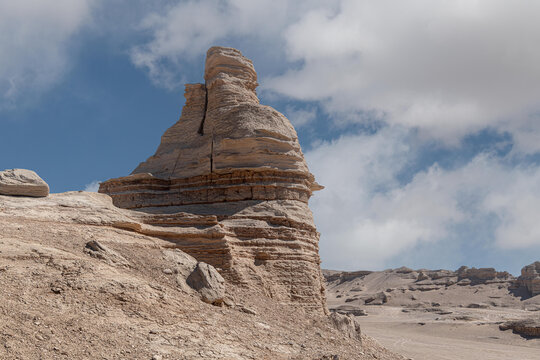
x=234, y=165
x=530, y=278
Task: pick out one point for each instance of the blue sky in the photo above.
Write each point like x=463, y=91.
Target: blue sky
x=420, y=117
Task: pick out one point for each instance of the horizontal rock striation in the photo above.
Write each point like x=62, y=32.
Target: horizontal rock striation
x=229, y=185
x=22, y=182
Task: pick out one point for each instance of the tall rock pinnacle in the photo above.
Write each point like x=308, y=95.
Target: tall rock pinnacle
x=232, y=162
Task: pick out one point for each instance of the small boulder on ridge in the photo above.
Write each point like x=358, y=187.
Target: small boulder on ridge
x=22, y=182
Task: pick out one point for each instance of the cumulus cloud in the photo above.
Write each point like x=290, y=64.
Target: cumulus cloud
x=300, y=117
x=426, y=71
x=33, y=44
x=367, y=215
x=448, y=68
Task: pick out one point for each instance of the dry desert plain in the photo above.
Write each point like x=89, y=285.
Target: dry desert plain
x=438, y=317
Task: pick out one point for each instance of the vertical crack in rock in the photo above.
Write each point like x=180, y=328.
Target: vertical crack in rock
x=256, y=188
x=212, y=155
x=175, y=163
x=201, y=128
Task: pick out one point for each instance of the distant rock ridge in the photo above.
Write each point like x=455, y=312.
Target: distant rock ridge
x=234, y=167
x=463, y=276
x=530, y=278
x=424, y=290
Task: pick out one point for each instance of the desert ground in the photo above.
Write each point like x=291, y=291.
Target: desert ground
x=62, y=299
x=438, y=322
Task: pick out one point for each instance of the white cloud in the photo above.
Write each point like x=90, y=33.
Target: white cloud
x=93, y=186
x=187, y=29
x=447, y=67
x=367, y=216
x=33, y=44
x=300, y=117
x=432, y=70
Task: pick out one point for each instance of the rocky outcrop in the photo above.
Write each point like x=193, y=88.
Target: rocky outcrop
x=482, y=275
x=208, y=282
x=530, y=278
x=22, y=182
x=347, y=324
x=529, y=328
x=75, y=269
x=229, y=185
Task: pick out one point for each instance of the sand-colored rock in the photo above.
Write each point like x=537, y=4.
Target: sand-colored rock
x=22, y=182
x=233, y=169
x=482, y=275
x=347, y=324
x=530, y=278
x=82, y=279
x=208, y=282
x=529, y=327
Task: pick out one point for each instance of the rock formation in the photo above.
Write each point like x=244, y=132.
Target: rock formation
x=22, y=182
x=481, y=275
x=75, y=269
x=233, y=169
x=528, y=328
x=356, y=292
x=530, y=278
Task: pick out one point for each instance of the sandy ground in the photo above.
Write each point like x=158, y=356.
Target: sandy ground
x=447, y=339
x=436, y=318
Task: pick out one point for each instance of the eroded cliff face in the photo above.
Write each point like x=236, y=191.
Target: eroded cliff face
x=530, y=278
x=235, y=168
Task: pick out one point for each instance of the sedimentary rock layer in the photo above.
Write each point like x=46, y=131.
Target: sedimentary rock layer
x=530, y=278
x=22, y=182
x=233, y=168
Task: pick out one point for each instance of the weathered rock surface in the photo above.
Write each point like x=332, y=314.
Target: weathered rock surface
x=208, y=282
x=347, y=324
x=229, y=185
x=530, y=278
x=482, y=275
x=22, y=182
x=61, y=297
x=530, y=327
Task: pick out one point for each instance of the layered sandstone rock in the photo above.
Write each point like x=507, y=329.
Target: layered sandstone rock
x=530, y=278
x=529, y=327
x=482, y=275
x=233, y=169
x=22, y=182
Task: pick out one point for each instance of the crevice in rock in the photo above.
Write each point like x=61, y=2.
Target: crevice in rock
x=201, y=127
x=212, y=155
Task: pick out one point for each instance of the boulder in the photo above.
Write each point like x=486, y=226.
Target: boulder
x=347, y=324
x=208, y=282
x=530, y=278
x=528, y=327
x=22, y=182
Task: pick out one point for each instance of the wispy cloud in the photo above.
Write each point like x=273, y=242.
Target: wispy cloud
x=33, y=43
x=93, y=186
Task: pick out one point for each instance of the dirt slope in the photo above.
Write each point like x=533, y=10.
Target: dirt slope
x=58, y=302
